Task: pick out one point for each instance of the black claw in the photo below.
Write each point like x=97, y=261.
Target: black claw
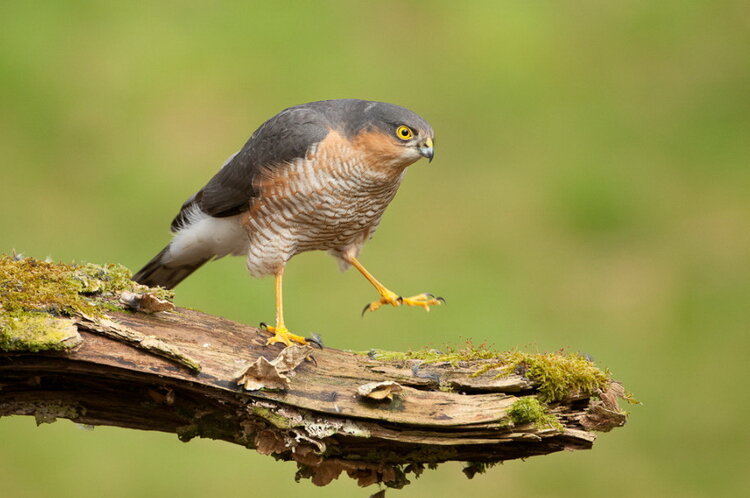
x=263, y=325
x=429, y=295
x=400, y=300
x=441, y=299
x=367, y=308
x=316, y=340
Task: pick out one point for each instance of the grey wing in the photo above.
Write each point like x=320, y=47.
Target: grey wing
x=277, y=142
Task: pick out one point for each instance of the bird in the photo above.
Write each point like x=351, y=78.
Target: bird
x=316, y=176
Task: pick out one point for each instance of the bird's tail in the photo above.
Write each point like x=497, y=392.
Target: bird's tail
x=159, y=271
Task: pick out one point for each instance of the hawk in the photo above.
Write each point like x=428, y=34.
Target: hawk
x=316, y=176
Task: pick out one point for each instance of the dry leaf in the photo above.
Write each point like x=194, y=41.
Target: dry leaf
x=271, y=374
x=601, y=418
x=610, y=396
x=291, y=357
x=145, y=303
x=262, y=374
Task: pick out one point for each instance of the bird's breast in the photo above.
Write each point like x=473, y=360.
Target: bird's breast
x=317, y=203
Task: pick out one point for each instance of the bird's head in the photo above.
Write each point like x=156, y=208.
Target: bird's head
x=396, y=134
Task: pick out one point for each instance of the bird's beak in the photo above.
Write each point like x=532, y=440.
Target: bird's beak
x=426, y=150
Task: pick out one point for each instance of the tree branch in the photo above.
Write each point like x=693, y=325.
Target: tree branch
x=442, y=413
x=376, y=417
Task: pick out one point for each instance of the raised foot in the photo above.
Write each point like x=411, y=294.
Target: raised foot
x=423, y=300
x=282, y=335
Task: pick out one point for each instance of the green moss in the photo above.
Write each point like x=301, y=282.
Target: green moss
x=31, y=285
x=32, y=290
x=28, y=284
x=558, y=375
x=112, y=279
x=102, y=279
x=38, y=332
x=528, y=410
x=450, y=354
x=274, y=418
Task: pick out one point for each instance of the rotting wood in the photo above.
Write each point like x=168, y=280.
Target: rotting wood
x=440, y=413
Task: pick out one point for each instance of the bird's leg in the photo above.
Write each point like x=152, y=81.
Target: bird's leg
x=280, y=332
x=389, y=297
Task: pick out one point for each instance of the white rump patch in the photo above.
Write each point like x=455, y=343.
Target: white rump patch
x=204, y=236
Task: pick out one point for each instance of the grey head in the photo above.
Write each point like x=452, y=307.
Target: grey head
x=354, y=116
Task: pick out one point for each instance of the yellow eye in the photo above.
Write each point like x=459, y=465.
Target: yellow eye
x=404, y=132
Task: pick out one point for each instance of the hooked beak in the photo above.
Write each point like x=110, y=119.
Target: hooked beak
x=426, y=149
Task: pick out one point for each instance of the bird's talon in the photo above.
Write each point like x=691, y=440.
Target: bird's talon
x=282, y=335
x=424, y=300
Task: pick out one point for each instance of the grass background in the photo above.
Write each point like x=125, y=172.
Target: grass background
x=590, y=191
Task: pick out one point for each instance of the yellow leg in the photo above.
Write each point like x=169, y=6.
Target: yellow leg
x=281, y=333
x=389, y=297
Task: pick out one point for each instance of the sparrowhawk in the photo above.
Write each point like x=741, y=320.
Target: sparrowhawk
x=316, y=176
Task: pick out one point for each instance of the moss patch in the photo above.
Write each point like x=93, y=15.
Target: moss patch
x=33, y=293
x=449, y=354
x=558, y=375
x=38, y=332
x=528, y=410
x=278, y=421
x=32, y=285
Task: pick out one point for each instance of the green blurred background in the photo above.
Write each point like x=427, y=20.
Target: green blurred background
x=591, y=191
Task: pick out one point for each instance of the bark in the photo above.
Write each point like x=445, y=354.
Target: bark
x=312, y=407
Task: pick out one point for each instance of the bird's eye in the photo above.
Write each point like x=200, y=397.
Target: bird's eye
x=404, y=132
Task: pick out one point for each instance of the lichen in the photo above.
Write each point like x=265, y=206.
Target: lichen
x=34, y=291
x=528, y=410
x=44, y=412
